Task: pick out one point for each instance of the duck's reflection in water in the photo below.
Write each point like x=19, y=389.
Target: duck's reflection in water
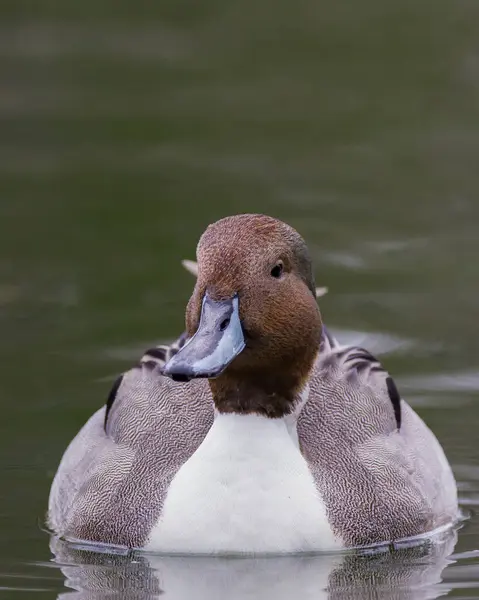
x=407, y=573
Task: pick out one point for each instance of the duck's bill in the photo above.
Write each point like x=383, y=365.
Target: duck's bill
x=218, y=341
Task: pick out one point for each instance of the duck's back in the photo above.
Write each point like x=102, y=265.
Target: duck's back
x=114, y=476
x=381, y=471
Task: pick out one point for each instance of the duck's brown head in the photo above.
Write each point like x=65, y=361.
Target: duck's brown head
x=253, y=319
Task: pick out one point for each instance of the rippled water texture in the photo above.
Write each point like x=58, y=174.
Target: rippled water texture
x=125, y=129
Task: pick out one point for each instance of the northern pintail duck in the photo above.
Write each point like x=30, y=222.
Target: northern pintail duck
x=257, y=432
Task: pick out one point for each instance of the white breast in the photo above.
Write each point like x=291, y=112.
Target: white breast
x=247, y=489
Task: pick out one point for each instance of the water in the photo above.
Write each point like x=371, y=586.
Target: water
x=123, y=134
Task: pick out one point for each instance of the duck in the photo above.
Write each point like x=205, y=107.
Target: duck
x=256, y=432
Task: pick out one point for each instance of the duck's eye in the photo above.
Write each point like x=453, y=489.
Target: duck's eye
x=277, y=270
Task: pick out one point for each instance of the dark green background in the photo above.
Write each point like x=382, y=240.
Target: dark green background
x=125, y=128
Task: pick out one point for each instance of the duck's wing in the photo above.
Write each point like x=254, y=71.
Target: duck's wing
x=380, y=470
x=113, y=478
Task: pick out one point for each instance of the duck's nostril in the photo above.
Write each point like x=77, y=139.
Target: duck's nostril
x=224, y=324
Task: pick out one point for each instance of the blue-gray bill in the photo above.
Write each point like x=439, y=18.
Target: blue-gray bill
x=217, y=342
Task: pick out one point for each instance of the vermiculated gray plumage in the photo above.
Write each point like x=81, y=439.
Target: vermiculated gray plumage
x=379, y=482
